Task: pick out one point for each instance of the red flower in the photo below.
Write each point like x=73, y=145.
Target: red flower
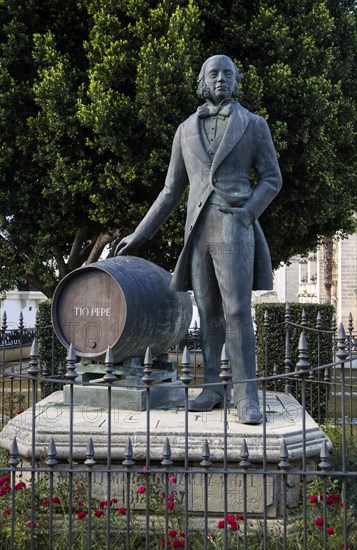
x=182, y=534
x=81, y=515
x=4, y=490
x=141, y=489
x=176, y=543
x=20, y=411
x=330, y=499
x=46, y=501
x=182, y=543
x=163, y=544
x=113, y=501
x=97, y=513
x=172, y=533
x=234, y=526
x=335, y=496
x=173, y=479
x=343, y=545
x=313, y=499
x=319, y=521
x=240, y=517
x=172, y=496
x=231, y=519
x=20, y=485
x=56, y=500
x=80, y=502
x=170, y=505
x=330, y=530
x=220, y=524
x=103, y=504
x=30, y=524
x=7, y=511
x=122, y=511
x=4, y=479
x=341, y=505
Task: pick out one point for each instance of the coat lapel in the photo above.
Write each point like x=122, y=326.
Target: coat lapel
x=194, y=139
x=237, y=125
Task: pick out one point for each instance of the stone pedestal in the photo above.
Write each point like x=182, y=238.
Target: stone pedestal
x=283, y=422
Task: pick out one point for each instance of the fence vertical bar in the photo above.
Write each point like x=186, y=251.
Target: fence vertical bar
x=225, y=377
x=244, y=464
x=13, y=462
x=342, y=354
x=166, y=463
x=128, y=463
x=109, y=378
x=318, y=328
x=70, y=375
x=206, y=464
x=90, y=462
x=51, y=462
x=325, y=466
x=147, y=379
x=33, y=372
x=186, y=379
x=284, y=465
x=302, y=367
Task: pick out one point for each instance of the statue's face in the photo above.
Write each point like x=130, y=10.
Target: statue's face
x=220, y=79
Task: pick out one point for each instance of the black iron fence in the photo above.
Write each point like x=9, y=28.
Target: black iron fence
x=84, y=473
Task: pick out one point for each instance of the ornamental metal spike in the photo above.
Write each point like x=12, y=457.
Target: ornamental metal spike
x=303, y=364
x=186, y=377
x=89, y=462
x=342, y=348
x=128, y=455
x=303, y=318
x=327, y=375
x=37, y=320
x=21, y=322
x=45, y=371
x=4, y=322
x=225, y=374
x=166, y=453
x=148, y=378
x=350, y=323
x=52, y=453
x=33, y=368
x=14, y=454
x=206, y=453
x=109, y=377
x=244, y=454
x=71, y=373
x=325, y=464
x=318, y=320
x=284, y=456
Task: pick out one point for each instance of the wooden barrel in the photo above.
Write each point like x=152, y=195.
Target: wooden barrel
x=123, y=302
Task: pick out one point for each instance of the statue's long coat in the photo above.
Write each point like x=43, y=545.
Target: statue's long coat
x=246, y=144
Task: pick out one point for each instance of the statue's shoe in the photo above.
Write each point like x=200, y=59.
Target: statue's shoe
x=249, y=413
x=206, y=401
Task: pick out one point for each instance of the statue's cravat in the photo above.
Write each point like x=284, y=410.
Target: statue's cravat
x=209, y=109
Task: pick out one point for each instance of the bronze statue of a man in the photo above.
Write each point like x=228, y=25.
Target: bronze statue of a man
x=225, y=254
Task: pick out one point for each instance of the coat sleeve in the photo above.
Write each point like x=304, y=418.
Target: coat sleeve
x=171, y=195
x=265, y=163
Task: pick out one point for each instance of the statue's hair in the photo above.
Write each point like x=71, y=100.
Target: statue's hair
x=202, y=88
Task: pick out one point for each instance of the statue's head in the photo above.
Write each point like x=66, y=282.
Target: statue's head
x=218, y=79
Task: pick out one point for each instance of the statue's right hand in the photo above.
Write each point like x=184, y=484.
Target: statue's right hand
x=129, y=243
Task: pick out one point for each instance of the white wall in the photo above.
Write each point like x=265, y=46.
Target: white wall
x=17, y=301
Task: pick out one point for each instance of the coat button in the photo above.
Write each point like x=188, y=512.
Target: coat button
x=190, y=228
x=199, y=204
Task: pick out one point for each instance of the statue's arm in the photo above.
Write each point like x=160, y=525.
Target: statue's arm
x=266, y=165
x=169, y=198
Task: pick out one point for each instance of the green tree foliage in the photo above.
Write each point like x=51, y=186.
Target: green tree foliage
x=92, y=92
